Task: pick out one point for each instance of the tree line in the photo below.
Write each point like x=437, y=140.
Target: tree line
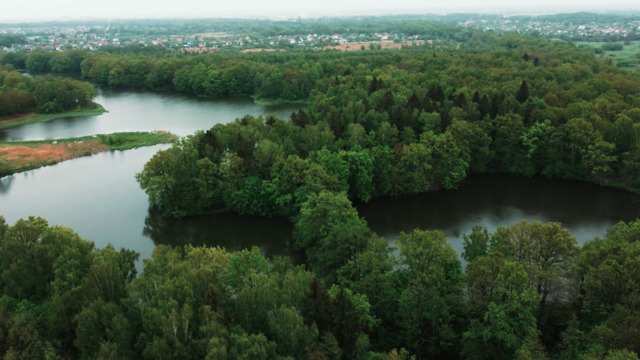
x=21, y=94
x=528, y=292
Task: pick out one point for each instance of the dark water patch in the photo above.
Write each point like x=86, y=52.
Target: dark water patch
x=231, y=231
x=585, y=209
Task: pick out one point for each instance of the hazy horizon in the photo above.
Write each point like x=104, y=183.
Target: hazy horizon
x=76, y=10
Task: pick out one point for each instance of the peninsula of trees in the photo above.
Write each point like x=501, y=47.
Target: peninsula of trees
x=390, y=123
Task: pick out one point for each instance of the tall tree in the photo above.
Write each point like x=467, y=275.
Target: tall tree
x=523, y=92
x=432, y=294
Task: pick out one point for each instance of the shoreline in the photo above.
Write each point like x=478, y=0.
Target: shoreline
x=22, y=156
x=32, y=118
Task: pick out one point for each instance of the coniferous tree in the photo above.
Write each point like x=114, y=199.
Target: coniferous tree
x=523, y=92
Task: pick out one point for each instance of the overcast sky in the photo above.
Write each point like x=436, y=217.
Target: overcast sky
x=39, y=10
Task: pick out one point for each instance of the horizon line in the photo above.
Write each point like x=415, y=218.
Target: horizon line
x=531, y=11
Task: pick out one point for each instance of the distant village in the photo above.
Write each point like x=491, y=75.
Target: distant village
x=95, y=37
x=567, y=30
x=60, y=37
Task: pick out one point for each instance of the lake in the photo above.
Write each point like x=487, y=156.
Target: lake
x=98, y=197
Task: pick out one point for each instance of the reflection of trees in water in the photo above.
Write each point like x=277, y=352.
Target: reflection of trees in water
x=166, y=231
x=5, y=184
x=492, y=200
x=231, y=231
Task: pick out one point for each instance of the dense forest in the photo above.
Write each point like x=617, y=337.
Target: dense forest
x=20, y=94
x=377, y=123
x=390, y=123
x=528, y=292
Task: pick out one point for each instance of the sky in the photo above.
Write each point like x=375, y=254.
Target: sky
x=44, y=10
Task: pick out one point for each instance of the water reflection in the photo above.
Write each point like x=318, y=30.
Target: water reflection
x=585, y=209
x=146, y=111
x=233, y=232
x=5, y=184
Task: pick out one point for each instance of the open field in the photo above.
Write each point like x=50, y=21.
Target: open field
x=26, y=155
x=627, y=58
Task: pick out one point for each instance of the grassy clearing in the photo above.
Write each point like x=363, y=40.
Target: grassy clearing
x=26, y=155
x=132, y=140
x=627, y=58
x=34, y=118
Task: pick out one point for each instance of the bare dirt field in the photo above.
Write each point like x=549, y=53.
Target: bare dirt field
x=25, y=157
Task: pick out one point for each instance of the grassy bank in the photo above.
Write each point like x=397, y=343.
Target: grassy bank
x=34, y=118
x=26, y=155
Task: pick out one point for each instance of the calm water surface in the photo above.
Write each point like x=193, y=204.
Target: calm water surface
x=145, y=111
x=99, y=198
x=585, y=209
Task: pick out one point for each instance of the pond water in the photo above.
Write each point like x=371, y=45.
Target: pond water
x=585, y=209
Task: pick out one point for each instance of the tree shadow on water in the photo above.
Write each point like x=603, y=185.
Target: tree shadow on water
x=231, y=231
